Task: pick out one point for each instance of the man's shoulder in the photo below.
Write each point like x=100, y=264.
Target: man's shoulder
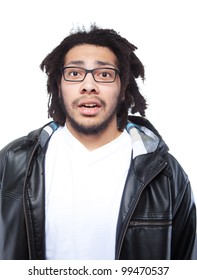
x=18, y=149
x=42, y=134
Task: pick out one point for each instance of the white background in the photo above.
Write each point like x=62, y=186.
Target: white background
x=164, y=32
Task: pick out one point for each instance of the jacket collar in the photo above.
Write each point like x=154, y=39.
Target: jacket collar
x=145, y=138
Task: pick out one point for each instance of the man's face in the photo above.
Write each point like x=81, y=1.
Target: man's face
x=90, y=106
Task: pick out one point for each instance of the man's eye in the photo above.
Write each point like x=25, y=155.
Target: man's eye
x=105, y=74
x=74, y=73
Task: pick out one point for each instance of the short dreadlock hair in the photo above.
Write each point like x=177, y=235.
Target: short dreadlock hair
x=128, y=63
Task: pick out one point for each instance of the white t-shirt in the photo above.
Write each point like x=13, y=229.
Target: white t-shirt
x=83, y=195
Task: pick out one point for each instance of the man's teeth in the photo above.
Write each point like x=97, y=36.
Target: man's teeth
x=89, y=105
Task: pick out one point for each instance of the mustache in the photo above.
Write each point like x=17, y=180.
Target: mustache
x=86, y=98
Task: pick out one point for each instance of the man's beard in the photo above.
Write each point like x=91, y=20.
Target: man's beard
x=88, y=129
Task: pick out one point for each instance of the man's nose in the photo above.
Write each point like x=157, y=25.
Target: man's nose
x=89, y=85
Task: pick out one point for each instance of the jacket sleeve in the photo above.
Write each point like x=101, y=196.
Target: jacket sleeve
x=13, y=237
x=3, y=153
x=184, y=215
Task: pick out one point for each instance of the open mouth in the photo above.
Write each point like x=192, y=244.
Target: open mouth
x=88, y=107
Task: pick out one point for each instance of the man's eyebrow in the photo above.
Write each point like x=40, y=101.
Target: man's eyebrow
x=82, y=63
x=104, y=63
x=75, y=62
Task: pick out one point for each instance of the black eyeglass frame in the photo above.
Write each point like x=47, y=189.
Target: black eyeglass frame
x=117, y=71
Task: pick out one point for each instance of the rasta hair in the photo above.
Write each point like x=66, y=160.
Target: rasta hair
x=128, y=63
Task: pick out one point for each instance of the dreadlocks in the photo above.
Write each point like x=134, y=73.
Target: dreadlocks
x=128, y=63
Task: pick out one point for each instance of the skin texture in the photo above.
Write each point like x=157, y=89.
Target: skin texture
x=93, y=127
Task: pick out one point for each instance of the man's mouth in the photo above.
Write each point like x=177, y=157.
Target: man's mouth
x=89, y=105
x=89, y=108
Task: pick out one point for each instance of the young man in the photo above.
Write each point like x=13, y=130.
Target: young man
x=97, y=182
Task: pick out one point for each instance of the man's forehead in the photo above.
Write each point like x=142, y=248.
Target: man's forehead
x=81, y=54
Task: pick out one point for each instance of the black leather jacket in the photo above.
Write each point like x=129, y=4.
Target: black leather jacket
x=157, y=217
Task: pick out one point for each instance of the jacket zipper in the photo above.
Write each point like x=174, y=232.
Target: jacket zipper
x=160, y=168
x=25, y=197
x=149, y=223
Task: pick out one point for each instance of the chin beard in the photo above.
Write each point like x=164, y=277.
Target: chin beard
x=90, y=129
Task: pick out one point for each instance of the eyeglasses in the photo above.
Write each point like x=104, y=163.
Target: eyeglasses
x=100, y=75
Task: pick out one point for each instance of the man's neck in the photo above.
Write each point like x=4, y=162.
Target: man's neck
x=95, y=141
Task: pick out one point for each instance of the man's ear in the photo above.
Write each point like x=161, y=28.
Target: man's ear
x=59, y=89
x=122, y=95
x=133, y=102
